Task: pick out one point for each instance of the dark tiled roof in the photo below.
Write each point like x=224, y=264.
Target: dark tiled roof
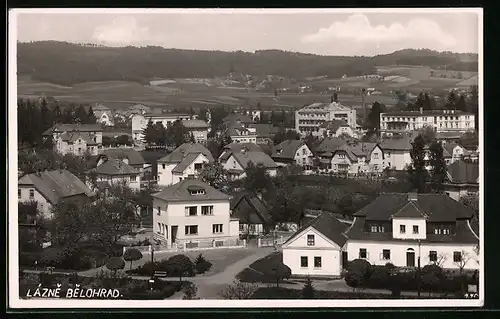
x=133, y=156
x=396, y=144
x=180, y=192
x=238, y=118
x=449, y=147
x=330, y=145
x=410, y=210
x=327, y=225
x=448, y=135
x=186, y=161
x=115, y=166
x=257, y=158
x=265, y=130
x=179, y=153
x=287, y=149
x=55, y=185
x=261, y=211
x=195, y=124
x=361, y=149
x=463, y=172
x=73, y=128
x=438, y=207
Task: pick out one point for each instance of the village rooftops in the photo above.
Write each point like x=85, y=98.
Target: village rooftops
x=189, y=190
x=133, y=156
x=238, y=118
x=55, y=185
x=265, y=130
x=60, y=128
x=256, y=203
x=191, y=124
x=239, y=147
x=396, y=144
x=334, y=125
x=165, y=115
x=287, y=149
x=330, y=145
x=461, y=172
x=327, y=225
x=72, y=137
x=182, y=151
x=115, y=167
x=257, y=158
x=425, y=113
x=325, y=107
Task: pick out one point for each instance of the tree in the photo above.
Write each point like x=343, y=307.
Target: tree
x=310, y=140
x=132, y=254
x=179, y=265
x=161, y=134
x=281, y=272
x=469, y=139
x=239, y=291
x=431, y=277
x=91, y=118
x=473, y=104
x=215, y=175
x=374, y=116
x=308, y=291
x=451, y=101
x=70, y=223
x=257, y=179
x=417, y=172
x=461, y=261
x=358, y=271
x=438, y=166
x=429, y=103
x=428, y=134
x=177, y=134
x=81, y=115
x=190, y=290
x=461, y=104
x=471, y=200
x=420, y=102
x=114, y=264
x=150, y=134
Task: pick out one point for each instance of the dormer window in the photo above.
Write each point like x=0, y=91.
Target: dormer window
x=279, y=151
x=196, y=192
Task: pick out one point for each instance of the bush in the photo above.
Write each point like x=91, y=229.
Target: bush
x=115, y=263
x=308, y=291
x=201, y=264
x=131, y=255
x=28, y=259
x=179, y=265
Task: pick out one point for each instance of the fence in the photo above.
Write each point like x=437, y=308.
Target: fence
x=272, y=241
x=193, y=246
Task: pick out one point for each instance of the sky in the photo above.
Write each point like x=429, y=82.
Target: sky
x=318, y=32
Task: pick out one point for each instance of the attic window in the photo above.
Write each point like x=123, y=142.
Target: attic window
x=197, y=191
x=280, y=151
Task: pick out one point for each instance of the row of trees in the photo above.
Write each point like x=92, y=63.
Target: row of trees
x=173, y=135
x=35, y=117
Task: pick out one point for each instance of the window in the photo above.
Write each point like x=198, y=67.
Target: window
x=375, y=155
x=433, y=256
x=207, y=210
x=32, y=193
x=386, y=254
x=217, y=228
x=377, y=229
x=159, y=228
x=317, y=262
x=363, y=253
x=163, y=166
x=310, y=240
x=191, y=230
x=191, y=211
x=252, y=227
x=133, y=178
x=159, y=210
x=304, y=151
x=303, y=261
x=457, y=256
x=342, y=156
x=415, y=229
x=402, y=229
x=242, y=228
x=18, y=193
x=198, y=166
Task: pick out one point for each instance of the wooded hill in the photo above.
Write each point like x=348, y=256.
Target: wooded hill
x=67, y=64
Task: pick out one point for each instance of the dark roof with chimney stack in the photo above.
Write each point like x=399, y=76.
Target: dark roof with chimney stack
x=60, y=128
x=182, y=151
x=55, y=185
x=287, y=149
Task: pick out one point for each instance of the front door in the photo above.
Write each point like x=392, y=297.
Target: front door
x=174, y=233
x=344, y=260
x=410, y=259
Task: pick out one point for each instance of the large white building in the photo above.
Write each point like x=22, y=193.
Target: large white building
x=192, y=214
x=439, y=120
x=309, y=119
x=76, y=139
x=140, y=121
x=185, y=162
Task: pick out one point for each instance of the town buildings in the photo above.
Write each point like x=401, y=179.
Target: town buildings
x=309, y=119
x=265, y=132
x=241, y=134
x=316, y=248
x=112, y=170
x=140, y=121
x=198, y=128
x=254, y=215
x=184, y=162
x=238, y=162
x=408, y=229
x=103, y=114
x=336, y=128
x=50, y=188
x=439, y=120
x=397, y=152
x=192, y=214
x=76, y=139
x=293, y=152
x=358, y=158
x=462, y=179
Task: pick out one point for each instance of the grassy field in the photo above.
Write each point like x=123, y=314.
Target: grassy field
x=122, y=94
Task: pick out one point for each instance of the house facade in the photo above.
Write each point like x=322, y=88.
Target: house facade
x=237, y=163
x=293, y=152
x=49, y=188
x=103, y=114
x=309, y=119
x=336, y=128
x=405, y=229
x=116, y=171
x=140, y=121
x=184, y=162
x=241, y=134
x=316, y=248
x=76, y=139
x=198, y=128
x=192, y=214
x=397, y=153
x=358, y=158
x=439, y=120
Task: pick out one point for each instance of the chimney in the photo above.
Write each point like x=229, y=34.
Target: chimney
x=421, y=110
x=412, y=196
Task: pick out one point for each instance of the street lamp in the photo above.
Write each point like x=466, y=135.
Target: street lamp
x=152, y=280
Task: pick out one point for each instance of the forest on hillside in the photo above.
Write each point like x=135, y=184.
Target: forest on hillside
x=67, y=64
